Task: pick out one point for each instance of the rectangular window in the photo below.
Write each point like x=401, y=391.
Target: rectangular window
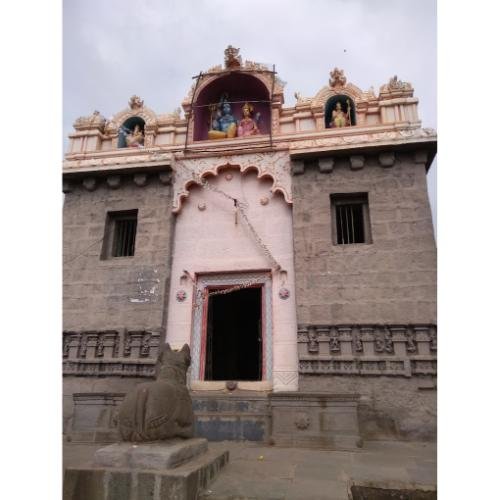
x=119, y=235
x=351, y=222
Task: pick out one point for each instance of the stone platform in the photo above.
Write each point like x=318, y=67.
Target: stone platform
x=264, y=472
x=172, y=470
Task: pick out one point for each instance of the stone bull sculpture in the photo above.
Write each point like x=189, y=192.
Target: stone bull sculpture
x=159, y=410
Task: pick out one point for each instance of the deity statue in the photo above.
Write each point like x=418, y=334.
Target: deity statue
x=223, y=125
x=248, y=126
x=339, y=118
x=135, y=139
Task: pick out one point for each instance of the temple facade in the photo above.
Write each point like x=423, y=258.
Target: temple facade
x=291, y=248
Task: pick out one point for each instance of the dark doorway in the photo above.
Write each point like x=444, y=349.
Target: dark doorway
x=234, y=336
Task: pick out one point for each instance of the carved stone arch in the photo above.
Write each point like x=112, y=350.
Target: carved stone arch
x=206, y=81
x=350, y=90
x=147, y=114
x=275, y=166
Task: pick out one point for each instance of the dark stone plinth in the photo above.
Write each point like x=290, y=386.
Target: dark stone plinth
x=315, y=420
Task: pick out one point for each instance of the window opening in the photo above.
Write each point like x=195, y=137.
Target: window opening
x=120, y=232
x=350, y=213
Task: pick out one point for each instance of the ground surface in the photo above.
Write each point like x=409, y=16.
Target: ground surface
x=257, y=472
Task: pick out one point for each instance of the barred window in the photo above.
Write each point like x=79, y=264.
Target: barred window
x=351, y=222
x=119, y=236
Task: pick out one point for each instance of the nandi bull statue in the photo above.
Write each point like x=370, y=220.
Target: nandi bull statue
x=159, y=410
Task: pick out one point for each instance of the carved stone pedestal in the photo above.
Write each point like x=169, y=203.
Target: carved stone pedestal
x=315, y=420
x=175, y=469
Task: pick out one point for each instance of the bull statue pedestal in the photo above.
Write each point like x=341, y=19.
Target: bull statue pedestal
x=159, y=457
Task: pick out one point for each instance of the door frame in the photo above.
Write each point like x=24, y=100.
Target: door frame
x=211, y=281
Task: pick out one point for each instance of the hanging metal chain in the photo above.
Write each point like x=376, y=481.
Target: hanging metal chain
x=276, y=265
x=241, y=206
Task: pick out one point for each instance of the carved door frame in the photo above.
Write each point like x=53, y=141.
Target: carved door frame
x=199, y=331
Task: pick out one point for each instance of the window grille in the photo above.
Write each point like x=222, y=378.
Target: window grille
x=124, y=240
x=351, y=220
x=119, y=240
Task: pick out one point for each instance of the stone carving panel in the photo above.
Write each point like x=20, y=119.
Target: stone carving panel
x=110, y=352
x=397, y=350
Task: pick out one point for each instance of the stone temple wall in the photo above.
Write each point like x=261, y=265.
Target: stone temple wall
x=114, y=310
x=119, y=292
x=367, y=312
x=392, y=279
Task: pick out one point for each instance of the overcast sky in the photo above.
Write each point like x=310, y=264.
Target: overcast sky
x=152, y=48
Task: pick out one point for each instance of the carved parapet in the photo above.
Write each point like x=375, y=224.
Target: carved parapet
x=110, y=352
x=398, y=350
x=95, y=121
x=395, y=88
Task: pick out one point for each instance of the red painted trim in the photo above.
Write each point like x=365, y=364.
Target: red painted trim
x=263, y=325
x=203, y=346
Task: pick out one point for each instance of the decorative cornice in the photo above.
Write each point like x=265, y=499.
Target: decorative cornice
x=274, y=165
x=395, y=136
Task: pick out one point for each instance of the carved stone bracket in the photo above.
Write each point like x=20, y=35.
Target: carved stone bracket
x=274, y=165
x=357, y=162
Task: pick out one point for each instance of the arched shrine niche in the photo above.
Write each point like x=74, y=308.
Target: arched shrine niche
x=234, y=105
x=131, y=133
x=340, y=112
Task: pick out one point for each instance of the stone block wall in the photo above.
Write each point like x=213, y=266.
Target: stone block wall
x=367, y=312
x=119, y=292
x=392, y=279
x=114, y=309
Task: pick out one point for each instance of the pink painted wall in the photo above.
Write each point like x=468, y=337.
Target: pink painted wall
x=209, y=241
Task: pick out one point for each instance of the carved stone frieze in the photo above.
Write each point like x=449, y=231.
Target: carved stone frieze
x=402, y=350
x=334, y=340
x=312, y=344
x=110, y=352
x=276, y=165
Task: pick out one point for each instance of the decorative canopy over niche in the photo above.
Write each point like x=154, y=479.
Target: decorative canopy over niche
x=227, y=91
x=136, y=109
x=338, y=86
x=275, y=166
